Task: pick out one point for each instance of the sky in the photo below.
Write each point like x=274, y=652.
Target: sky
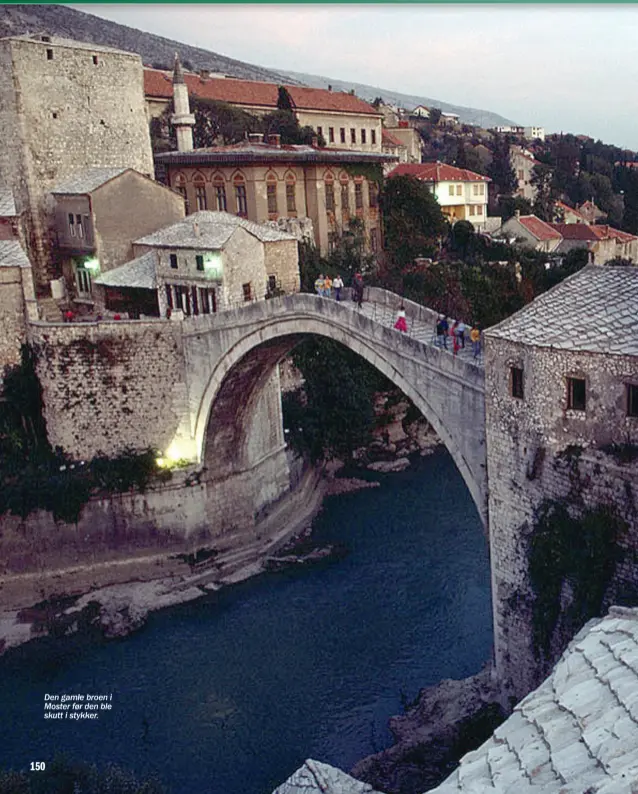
x=570, y=68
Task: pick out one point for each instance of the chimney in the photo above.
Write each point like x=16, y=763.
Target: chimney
x=204, y=74
x=274, y=140
x=314, y=141
x=196, y=230
x=256, y=137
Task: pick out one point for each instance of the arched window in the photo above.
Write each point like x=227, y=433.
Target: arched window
x=199, y=183
x=330, y=192
x=345, y=194
x=271, y=193
x=240, y=195
x=291, y=194
x=180, y=186
x=219, y=186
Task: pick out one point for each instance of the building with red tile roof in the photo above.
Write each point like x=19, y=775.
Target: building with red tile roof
x=603, y=242
x=462, y=194
x=532, y=232
x=343, y=120
x=563, y=213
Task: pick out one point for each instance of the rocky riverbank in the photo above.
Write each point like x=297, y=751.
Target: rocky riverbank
x=445, y=722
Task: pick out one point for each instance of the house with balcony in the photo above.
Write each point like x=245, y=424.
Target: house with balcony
x=204, y=263
x=98, y=213
x=462, y=194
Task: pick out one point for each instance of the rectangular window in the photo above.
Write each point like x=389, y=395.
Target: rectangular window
x=451, y=190
x=576, y=394
x=194, y=302
x=516, y=382
x=200, y=197
x=331, y=134
x=345, y=201
x=342, y=134
x=472, y=209
x=482, y=190
x=374, y=243
x=358, y=195
x=71, y=224
x=459, y=190
x=272, y=283
x=173, y=261
x=199, y=262
x=242, y=204
x=49, y=55
x=320, y=132
x=291, y=199
x=521, y=175
x=220, y=197
x=363, y=136
x=330, y=197
x=479, y=209
x=353, y=135
x=83, y=281
x=373, y=190
x=247, y=291
x=475, y=190
x=632, y=399
x=78, y=225
x=271, y=196
x=95, y=60
x=373, y=137
x=169, y=296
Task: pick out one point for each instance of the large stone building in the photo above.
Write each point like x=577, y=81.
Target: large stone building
x=561, y=402
x=343, y=120
x=206, y=263
x=462, y=194
x=268, y=181
x=98, y=213
x=65, y=106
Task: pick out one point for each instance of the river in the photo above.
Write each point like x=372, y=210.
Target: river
x=229, y=694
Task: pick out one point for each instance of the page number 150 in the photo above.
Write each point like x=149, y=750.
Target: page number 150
x=38, y=766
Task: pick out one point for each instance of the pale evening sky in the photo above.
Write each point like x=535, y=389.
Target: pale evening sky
x=565, y=67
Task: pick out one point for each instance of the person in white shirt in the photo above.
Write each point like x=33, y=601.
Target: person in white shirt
x=337, y=285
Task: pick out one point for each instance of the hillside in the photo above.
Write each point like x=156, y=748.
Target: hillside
x=484, y=118
x=157, y=50
x=69, y=23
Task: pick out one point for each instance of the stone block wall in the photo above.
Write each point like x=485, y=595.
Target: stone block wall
x=529, y=461
x=13, y=331
x=282, y=261
x=112, y=385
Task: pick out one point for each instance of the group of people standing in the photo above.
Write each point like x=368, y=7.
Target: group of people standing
x=324, y=286
x=456, y=332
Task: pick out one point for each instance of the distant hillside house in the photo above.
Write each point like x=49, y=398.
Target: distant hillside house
x=393, y=146
x=602, y=242
x=205, y=263
x=449, y=119
x=532, y=232
x=591, y=212
x=421, y=111
x=535, y=133
x=462, y=194
x=344, y=120
x=523, y=162
x=268, y=181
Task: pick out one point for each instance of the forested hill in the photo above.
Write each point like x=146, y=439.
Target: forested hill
x=157, y=50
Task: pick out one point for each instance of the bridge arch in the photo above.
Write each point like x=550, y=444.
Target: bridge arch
x=246, y=365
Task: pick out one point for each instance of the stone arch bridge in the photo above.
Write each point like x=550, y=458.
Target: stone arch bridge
x=230, y=357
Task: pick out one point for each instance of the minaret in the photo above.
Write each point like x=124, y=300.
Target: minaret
x=182, y=119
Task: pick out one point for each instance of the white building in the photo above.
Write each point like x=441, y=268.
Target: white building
x=535, y=133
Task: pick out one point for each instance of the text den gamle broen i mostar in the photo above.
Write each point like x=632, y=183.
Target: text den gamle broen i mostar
x=76, y=707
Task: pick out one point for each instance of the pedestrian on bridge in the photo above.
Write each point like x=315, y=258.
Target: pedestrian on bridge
x=454, y=333
x=319, y=285
x=445, y=329
x=401, y=324
x=475, y=339
x=357, y=289
x=338, y=285
x=460, y=330
x=327, y=286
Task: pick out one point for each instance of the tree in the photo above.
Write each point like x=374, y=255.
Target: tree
x=284, y=100
x=546, y=194
x=500, y=170
x=508, y=205
x=435, y=116
x=413, y=220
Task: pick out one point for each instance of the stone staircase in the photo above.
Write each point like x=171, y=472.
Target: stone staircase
x=51, y=310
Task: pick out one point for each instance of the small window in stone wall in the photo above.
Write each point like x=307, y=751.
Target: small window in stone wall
x=95, y=61
x=576, y=394
x=632, y=399
x=49, y=55
x=516, y=382
x=199, y=261
x=173, y=260
x=247, y=291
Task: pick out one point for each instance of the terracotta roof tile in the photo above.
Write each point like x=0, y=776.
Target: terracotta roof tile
x=540, y=229
x=437, y=172
x=576, y=231
x=255, y=94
